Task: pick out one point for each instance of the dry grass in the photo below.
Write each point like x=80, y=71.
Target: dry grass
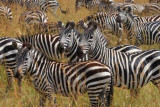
x=148, y=97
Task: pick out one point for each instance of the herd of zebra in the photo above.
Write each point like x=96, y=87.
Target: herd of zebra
x=91, y=66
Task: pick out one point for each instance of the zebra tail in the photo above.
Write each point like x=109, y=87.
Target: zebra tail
x=109, y=93
x=63, y=11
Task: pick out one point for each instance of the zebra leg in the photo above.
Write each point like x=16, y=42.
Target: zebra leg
x=52, y=99
x=74, y=100
x=42, y=100
x=134, y=92
x=19, y=83
x=157, y=84
x=9, y=79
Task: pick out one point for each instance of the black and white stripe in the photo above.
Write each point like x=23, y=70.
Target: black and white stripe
x=108, y=21
x=33, y=17
x=6, y=12
x=86, y=3
x=8, y=57
x=69, y=40
x=50, y=78
x=46, y=43
x=130, y=71
x=145, y=33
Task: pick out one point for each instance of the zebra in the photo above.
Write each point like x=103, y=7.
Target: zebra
x=32, y=17
x=44, y=5
x=86, y=3
x=107, y=21
x=8, y=58
x=52, y=4
x=129, y=1
x=152, y=7
x=145, y=33
x=50, y=77
x=135, y=8
x=154, y=1
x=130, y=71
x=6, y=12
x=146, y=19
x=46, y=43
x=129, y=49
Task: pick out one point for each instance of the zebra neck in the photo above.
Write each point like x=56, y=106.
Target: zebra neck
x=129, y=27
x=38, y=65
x=98, y=53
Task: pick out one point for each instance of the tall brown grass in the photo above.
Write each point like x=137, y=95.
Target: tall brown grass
x=149, y=95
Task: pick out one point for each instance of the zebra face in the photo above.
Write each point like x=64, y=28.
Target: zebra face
x=24, y=59
x=67, y=36
x=79, y=4
x=87, y=40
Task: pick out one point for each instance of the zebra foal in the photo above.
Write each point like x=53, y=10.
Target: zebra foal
x=50, y=77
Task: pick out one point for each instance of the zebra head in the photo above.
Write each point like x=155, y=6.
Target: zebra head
x=23, y=59
x=88, y=39
x=68, y=37
x=124, y=15
x=79, y=4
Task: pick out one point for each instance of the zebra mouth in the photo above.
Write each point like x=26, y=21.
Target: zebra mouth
x=80, y=52
x=61, y=48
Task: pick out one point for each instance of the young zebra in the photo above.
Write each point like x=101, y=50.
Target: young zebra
x=51, y=78
x=145, y=33
x=131, y=71
x=6, y=12
x=8, y=58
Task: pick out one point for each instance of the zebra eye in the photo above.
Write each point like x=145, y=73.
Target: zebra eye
x=91, y=37
x=69, y=35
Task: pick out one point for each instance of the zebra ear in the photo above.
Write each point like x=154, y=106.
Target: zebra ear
x=94, y=26
x=129, y=10
x=27, y=45
x=89, y=18
x=70, y=25
x=119, y=9
x=60, y=25
x=82, y=24
x=15, y=45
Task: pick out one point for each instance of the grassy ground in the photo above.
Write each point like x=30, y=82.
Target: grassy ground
x=149, y=96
